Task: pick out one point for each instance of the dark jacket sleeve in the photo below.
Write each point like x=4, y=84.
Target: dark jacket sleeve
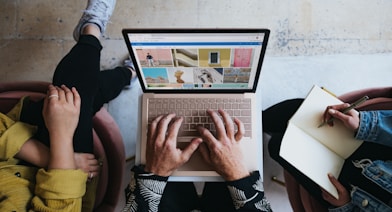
x=145, y=191
x=248, y=193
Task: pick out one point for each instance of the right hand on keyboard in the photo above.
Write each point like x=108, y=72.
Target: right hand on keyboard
x=223, y=151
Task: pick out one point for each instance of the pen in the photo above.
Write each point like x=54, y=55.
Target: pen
x=326, y=90
x=345, y=110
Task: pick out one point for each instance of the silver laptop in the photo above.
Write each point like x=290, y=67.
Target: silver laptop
x=187, y=71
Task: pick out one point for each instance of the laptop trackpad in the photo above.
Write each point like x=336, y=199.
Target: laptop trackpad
x=196, y=162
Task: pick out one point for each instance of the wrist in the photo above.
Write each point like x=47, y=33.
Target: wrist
x=61, y=153
x=156, y=171
x=61, y=158
x=60, y=137
x=140, y=172
x=236, y=176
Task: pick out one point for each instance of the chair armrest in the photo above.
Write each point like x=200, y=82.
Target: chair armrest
x=32, y=86
x=380, y=98
x=112, y=142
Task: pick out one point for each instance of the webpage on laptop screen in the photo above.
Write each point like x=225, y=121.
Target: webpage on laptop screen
x=199, y=61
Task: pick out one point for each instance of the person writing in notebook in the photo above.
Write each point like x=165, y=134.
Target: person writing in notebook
x=357, y=189
x=150, y=191
x=375, y=169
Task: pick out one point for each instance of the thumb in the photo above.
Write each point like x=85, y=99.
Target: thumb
x=191, y=148
x=205, y=152
x=337, y=114
x=339, y=187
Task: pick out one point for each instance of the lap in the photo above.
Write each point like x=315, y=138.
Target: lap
x=182, y=196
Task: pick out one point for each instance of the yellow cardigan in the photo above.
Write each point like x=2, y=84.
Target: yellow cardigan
x=25, y=188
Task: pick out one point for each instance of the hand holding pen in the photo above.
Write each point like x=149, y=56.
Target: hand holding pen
x=343, y=112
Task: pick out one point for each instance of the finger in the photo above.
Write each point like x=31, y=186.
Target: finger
x=327, y=196
x=219, y=126
x=340, y=115
x=344, y=117
x=190, y=149
x=77, y=100
x=208, y=137
x=335, y=113
x=241, y=129
x=172, y=133
x=205, y=152
x=339, y=187
x=327, y=116
x=93, y=162
x=94, y=168
x=151, y=135
x=52, y=89
x=61, y=94
x=52, y=93
x=88, y=155
x=228, y=123
x=68, y=94
x=163, y=126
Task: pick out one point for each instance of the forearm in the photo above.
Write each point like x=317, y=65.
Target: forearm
x=375, y=126
x=61, y=152
x=248, y=193
x=145, y=191
x=34, y=152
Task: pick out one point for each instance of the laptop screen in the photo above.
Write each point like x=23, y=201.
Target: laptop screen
x=200, y=60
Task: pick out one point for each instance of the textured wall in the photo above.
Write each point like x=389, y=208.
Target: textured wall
x=37, y=33
x=299, y=27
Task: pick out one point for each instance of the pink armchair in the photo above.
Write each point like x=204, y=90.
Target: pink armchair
x=108, y=143
x=380, y=99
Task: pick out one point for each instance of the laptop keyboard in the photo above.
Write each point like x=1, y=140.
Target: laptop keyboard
x=194, y=112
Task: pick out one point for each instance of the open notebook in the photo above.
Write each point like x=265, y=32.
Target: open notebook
x=187, y=71
x=317, y=151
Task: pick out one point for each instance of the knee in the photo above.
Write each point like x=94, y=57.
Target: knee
x=274, y=146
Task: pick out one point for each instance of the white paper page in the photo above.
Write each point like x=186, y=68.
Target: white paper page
x=309, y=116
x=310, y=157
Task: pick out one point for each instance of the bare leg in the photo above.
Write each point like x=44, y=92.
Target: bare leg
x=91, y=29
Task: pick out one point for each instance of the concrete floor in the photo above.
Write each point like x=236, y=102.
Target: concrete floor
x=33, y=41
